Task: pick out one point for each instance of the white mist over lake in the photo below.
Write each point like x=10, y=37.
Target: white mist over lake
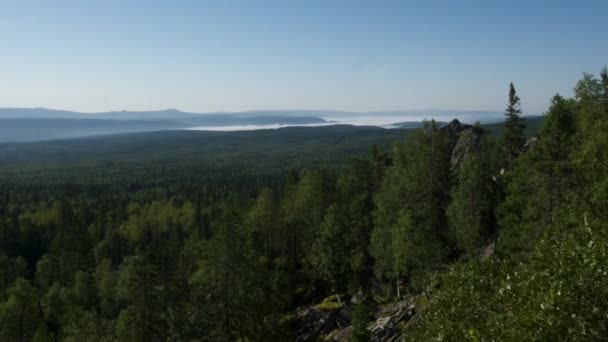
x=254, y=127
x=384, y=121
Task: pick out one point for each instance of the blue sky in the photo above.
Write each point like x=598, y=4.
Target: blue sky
x=340, y=55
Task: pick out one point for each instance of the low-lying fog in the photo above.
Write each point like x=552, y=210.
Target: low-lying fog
x=254, y=127
x=386, y=121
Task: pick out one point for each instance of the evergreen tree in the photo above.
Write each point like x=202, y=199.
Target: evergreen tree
x=513, y=139
x=591, y=157
x=470, y=213
x=470, y=210
x=411, y=206
x=303, y=208
x=361, y=318
x=539, y=184
x=229, y=279
x=140, y=320
x=340, y=253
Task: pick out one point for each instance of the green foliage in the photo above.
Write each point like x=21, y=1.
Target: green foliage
x=411, y=206
x=470, y=211
x=329, y=255
x=19, y=315
x=189, y=243
x=540, y=182
x=559, y=295
x=513, y=138
x=361, y=319
x=330, y=303
x=554, y=229
x=140, y=320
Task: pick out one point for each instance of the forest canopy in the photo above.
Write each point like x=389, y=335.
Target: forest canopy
x=493, y=236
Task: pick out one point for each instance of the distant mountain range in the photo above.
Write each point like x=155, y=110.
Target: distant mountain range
x=168, y=114
x=174, y=114
x=38, y=124
x=23, y=124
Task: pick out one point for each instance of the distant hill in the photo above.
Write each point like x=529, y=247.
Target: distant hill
x=260, y=152
x=414, y=124
x=36, y=129
x=532, y=123
x=270, y=149
x=36, y=125
x=168, y=114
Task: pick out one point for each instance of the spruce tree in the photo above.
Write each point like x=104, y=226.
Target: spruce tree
x=539, y=184
x=513, y=139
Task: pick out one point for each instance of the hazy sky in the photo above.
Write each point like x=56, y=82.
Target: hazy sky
x=346, y=55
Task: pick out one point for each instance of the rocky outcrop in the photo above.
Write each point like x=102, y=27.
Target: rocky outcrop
x=464, y=140
x=453, y=130
x=391, y=318
x=530, y=143
x=335, y=325
x=469, y=142
x=318, y=321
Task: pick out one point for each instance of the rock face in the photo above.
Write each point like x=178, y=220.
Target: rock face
x=391, y=319
x=530, y=143
x=316, y=322
x=453, y=129
x=464, y=140
x=333, y=326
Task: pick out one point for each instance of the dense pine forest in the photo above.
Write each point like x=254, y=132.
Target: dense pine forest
x=483, y=234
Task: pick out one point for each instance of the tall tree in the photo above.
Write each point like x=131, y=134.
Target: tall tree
x=539, y=184
x=304, y=205
x=591, y=158
x=138, y=286
x=513, y=138
x=411, y=205
x=330, y=253
x=230, y=282
x=261, y=220
x=469, y=213
x=340, y=253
